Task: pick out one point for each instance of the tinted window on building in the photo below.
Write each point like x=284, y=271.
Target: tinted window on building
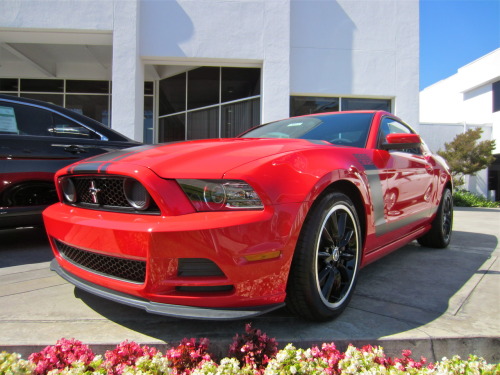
x=93, y=106
x=94, y=87
x=238, y=83
x=496, y=96
x=305, y=105
x=148, y=88
x=57, y=99
x=203, y=124
x=8, y=84
x=221, y=102
x=172, y=128
x=42, y=85
x=203, y=87
x=172, y=95
x=355, y=104
x=239, y=117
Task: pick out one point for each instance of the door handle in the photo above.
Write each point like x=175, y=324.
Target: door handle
x=75, y=149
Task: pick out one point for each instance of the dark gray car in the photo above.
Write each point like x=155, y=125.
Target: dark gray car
x=37, y=139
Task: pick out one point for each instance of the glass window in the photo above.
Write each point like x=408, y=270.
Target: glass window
x=172, y=128
x=340, y=129
x=9, y=84
x=28, y=120
x=42, y=85
x=305, y=105
x=203, y=87
x=239, y=83
x=148, y=88
x=57, y=99
x=239, y=117
x=355, y=104
x=89, y=87
x=496, y=96
x=148, y=120
x=172, y=94
x=64, y=127
x=205, y=114
x=390, y=126
x=93, y=106
x=203, y=124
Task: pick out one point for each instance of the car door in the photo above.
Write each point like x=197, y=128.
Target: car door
x=45, y=140
x=407, y=181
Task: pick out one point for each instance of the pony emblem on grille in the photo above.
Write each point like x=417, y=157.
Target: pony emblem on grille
x=94, y=191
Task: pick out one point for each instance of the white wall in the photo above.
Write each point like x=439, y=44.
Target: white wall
x=223, y=33
x=461, y=101
x=338, y=48
x=357, y=48
x=436, y=135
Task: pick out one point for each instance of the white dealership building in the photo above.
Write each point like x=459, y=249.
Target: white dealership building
x=161, y=70
x=466, y=100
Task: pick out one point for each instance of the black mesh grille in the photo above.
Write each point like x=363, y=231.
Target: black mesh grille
x=120, y=268
x=109, y=196
x=110, y=191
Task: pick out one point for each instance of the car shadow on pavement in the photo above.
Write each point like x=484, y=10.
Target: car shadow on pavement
x=402, y=291
x=24, y=246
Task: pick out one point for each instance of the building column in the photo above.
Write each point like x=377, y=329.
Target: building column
x=127, y=114
x=276, y=68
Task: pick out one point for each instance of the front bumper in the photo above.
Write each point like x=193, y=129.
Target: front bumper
x=189, y=312
x=252, y=249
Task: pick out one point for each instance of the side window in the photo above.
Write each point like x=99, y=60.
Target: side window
x=24, y=119
x=391, y=126
x=63, y=127
x=8, y=120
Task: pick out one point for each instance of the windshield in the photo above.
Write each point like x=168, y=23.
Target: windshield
x=347, y=129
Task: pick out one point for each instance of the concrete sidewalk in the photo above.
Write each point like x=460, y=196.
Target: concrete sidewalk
x=435, y=302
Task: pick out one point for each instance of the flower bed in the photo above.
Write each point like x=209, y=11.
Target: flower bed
x=251, y=353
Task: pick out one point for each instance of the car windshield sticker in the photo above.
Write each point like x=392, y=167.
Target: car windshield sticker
x=8, y=123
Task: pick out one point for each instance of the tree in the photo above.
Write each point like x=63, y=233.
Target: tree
x=466, y=156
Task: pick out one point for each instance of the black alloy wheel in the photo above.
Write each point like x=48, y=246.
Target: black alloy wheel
x=326, y=260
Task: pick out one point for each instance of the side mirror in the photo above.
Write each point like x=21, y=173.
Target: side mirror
x=401, y=141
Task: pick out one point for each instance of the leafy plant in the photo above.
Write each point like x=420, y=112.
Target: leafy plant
x=465, y=156
x=464, y=198
x=253, y=348
x=124, y=355
x=188, y=355
x=254, y=353
x=13, y=364
x=61, y=355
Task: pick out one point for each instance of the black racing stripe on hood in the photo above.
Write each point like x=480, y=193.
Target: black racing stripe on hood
x=87, y=168
x=120, y=154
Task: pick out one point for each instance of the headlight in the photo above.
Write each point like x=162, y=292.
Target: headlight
x=136, y=194
x=217, y=195
x=68, y=189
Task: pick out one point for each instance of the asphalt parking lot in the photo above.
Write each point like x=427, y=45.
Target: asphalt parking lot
x=434, y=302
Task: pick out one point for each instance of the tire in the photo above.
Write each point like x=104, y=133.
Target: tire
x=326, y=260
x=439, y=236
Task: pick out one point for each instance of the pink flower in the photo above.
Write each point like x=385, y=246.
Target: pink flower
x=61, y=355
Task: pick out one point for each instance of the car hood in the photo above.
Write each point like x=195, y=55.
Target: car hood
x=203, y=158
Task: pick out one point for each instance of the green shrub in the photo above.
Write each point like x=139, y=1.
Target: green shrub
x=464, y=198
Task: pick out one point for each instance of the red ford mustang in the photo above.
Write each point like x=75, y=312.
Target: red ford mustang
x=288, y=213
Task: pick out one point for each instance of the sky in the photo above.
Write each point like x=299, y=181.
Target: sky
x=454, y=33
